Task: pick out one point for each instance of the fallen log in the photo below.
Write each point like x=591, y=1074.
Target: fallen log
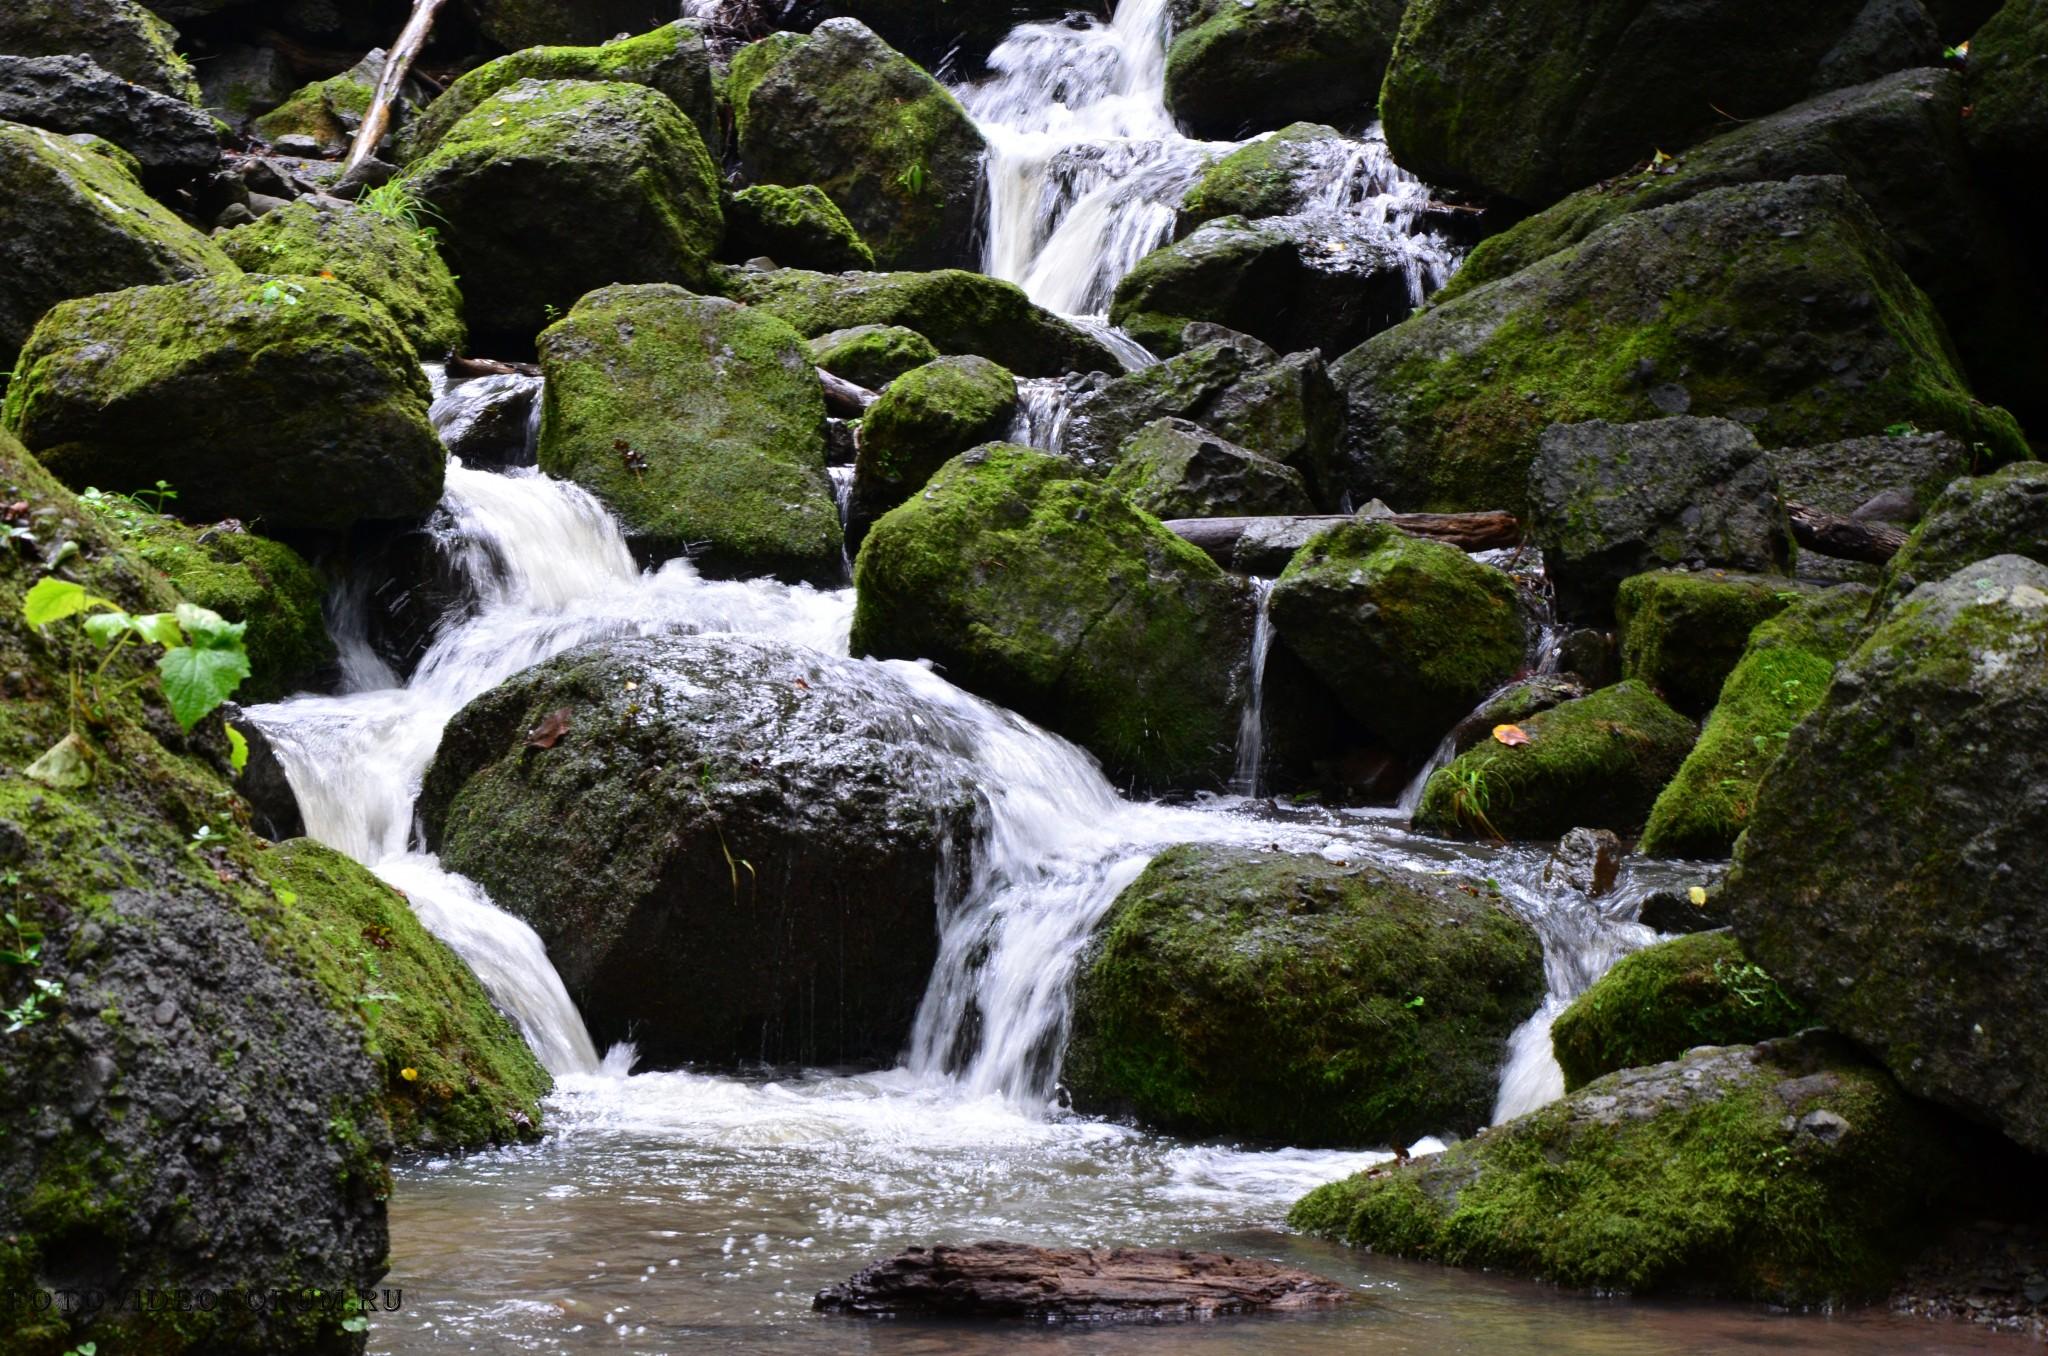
x=1018, y=1280
x=1264, y=545
x=405, y=51
x=844, y=398
x=1843, y=537
x=457, y=366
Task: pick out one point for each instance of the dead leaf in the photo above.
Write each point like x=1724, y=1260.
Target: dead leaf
x=802, y=684
x=1511, y=735
x=549, y=732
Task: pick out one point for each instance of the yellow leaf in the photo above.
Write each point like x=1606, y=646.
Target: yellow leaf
x=1697, y=895
x=1510, y=735
x=409, y=1075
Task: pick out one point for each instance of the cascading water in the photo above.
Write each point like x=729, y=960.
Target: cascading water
x=1251, y=729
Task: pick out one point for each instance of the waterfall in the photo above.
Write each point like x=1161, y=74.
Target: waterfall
x=1251, y=728
x=1042, y=409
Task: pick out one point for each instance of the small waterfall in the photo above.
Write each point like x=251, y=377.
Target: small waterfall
x=1251, y=728
x=1411, y=794
x=1042, y=409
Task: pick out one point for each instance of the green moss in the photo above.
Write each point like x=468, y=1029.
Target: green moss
x=1976, y=517
x=1262, y=179
x=1237, y=64
x=121, y=36
x=1289, y=998
x=1782, y=676
x=1667, y=999
x=1683, y=632
x=926, y=417
x=872, y=355
x=798, y=227
x=328, y=111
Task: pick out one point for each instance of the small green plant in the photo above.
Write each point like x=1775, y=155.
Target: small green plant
x=24, y=951
x=125, y=510
x=278, y=292
x=84, y=1349
x=550, y=312
x=394, y=202
x=1750, y=983
x=915, y=178
x=1905, y=430
x=1471, y=798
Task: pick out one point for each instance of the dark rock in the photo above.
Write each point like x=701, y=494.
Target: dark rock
x=1515, y=703
x=1682, y=632
x=1676, y=911
x=240, y=83
x=1236, y=67
x=1586, y=860
x=1591, y=654
x=1174, y=469
x=119, y=35
x=1975, y=517
x=1275, y=176
x=516, y=24
x=170, y=139
x=273, y=805
x=872, y=355
x=490, y=422
x=800, y=227
x=2008, y=127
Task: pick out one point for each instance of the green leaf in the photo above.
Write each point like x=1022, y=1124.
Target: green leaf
x=54, y=599
x=238, y=750
x=208, y=630
x=66, y=765
x=161, y=627
x=196, y=680
x=107, y=627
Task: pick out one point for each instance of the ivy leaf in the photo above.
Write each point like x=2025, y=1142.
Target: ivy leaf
x=53, y=600
x=197, y=679
x=238, y=750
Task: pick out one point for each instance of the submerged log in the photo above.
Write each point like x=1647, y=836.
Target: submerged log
x=1845, y=538
x=1263, y=545
x=844, y=398
x=1017, y=1280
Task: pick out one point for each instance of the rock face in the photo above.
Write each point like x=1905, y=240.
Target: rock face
x=872, y=355
x=731, y=853
x=1607, y=501
x=618, y=161
x=1682, y=632
x=1782, y=675
x=517, y=24
x=1999, y=514
x=1533, y=101
x=73, y=222
x=387, y=260
x=1667, y=999
x=1269, y=996
x=1171, y=468
x=242, y=82
x=1235, y=68
x=1886, y=875
x=843, y=110
x=1645, y=1181
x=1843, y=477
x=1018, y=1280
x=1597, y=762
x=926, y=418
x=1042, y=590
x=799, y=226
x=119, y=35
x=2009, y=118
x=1407, y=634
x=320, y=118
x=1266, y=178
x=169, y=138
x=699, y=422
x=1779, y=303
x=286, y=402
x=1294, y=282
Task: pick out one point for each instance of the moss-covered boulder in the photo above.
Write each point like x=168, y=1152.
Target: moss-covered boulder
x=1270, y=177
x=761, y=818
x=871, y=355
x=1975, y=517
x=1667, y=999
x=391, y=261
x=1532, y=101
x=1045, y=591
x=1235, y=68
x=1174, y=469
x=1885, y=877
x=958, y=311
x=1597, y=762
x=72, y=223
x=1781, y=676
x=1285, y=997
x=701, y=425
x=617, y=165
x=1638, y=321
x=1790, y=1171
x=800, y=227
x=519, y=24
x=2008, y=126
x=1407, y=634
x=320, y=118
x=1683, y=631
x=671, y=59
x=842, y=109
x=172, y=142
x=119, y=35
x=925, y=419
x=287, y=402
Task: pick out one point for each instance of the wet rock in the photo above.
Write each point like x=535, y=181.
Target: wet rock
x=169, y=138
x=1171, y=468
x=872, y=355
x=262, y=782
x=1892, y=477
x=947, y=36
x=1019, y=1280
x=2002, y=513
x=1590, y=653
x=1235, y=68
x=491, y=422
x=762, y=818
x=1585, y=860
x=1885, y=875
x=1234, y=992
x=1677, y=911
x=927, y=417
x=1515, y=703
x=799, y=226
x=118, y=35
x=1683, y=631
x=240, y=83
x=1270, y=177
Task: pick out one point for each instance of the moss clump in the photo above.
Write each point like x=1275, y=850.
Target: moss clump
x=328, y=111
x=1047, y=592
x=394, y=263
x=799, y=226
x=1782, y=675
x=872, y=355
x=699, y=422
x=1262, y=179
x=1682, y=632
x=1665, y=1000
x=1789, y=1172
x=1976, y=517
x=1597, y=763
x=927, y=417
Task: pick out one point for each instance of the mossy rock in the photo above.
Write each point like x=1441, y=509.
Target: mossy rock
x=925, y=419
x=1172, y=468
x=1651, y=1181
x=1666, y=999
x=1235, y=67
x=616, y=164
x=1286, y=998
x=1264, y=178
x=842, y=109
x=798, y=226
x=286, y=402
x=74, y=222
x=958, y=311
x=1783, y=673
x=119, y=35
x=699, y=422
x=1633, y=324
x=671, y=59
x=1041, y=589
x=1594, y=763
x=1407, y=634
x=2008, y=127
x=1682, y=631
x=392, y=262
x=2005, y=513
x=327, y=112
x=871, y=355
x=516, y=25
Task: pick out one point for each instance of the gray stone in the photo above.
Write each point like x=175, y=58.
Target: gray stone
x=169, y=138
x=1174, y=469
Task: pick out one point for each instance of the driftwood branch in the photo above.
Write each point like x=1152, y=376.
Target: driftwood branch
x=845, y=398
x=1261, y=545
x=397, y=65
x=1843, y=537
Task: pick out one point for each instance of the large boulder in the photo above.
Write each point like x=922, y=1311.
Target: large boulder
x=74, y=222
x=1275, y=176
x=1043, y=590
x=1534, y=100
x=169, y=138
x=119, y=35
x=1171, y=468
x=1609, y=501
x=1235, y=67
x=958, y=311
x=872, y=355
x=1284, y=997
x=616, y=165
x=701, y=425
x=2008, y=126
x=1975, y=517
x=1843, y=477
x=517, y=24
x=1682, y=631
x=391, y=261
x=286, y=402
x=800, y=227
x=926, y=418
x=1779, y=304
x=1406, y=634
x=1597, y=762
x=766, y=821
x=842, y=109
x=1887, y=874
x=1647, y=1181
x=671, y=60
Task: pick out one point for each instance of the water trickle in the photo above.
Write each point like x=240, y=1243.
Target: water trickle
x=1043, y=404
x=1251, y=727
